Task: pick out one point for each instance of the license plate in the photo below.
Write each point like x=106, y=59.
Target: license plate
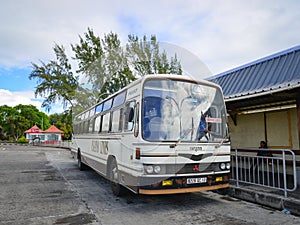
x=167, y=183
x=218, y=179
x=196, y=180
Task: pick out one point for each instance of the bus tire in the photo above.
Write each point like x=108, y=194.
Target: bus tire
x=80, y=164
x=114, y=178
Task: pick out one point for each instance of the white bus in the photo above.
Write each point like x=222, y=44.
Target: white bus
x=162, y=134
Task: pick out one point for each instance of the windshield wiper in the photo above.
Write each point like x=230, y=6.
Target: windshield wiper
x=224, y=139
x=182, y=137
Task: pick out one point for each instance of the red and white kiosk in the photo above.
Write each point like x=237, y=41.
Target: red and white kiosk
x=52, y=135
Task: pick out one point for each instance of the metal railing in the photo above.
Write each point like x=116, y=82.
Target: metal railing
x=62, y=144
x=276, y=171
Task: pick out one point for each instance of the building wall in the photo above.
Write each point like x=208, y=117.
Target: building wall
x=279, y=128
x=248, y=132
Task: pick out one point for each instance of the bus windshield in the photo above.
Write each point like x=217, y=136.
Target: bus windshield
x=175, y=110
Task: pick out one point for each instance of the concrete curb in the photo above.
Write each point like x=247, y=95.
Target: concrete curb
x=266, y=199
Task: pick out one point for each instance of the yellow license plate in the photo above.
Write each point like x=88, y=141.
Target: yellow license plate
x=219, y=179
x=167, y=183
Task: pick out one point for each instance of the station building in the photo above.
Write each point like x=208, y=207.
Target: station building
x=263, y=101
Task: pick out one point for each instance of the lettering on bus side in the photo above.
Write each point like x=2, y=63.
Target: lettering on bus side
x=100, y=147
x=95, y=146
x=104, y=147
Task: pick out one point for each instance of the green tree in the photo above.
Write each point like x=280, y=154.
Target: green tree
x=63, y=121
x=117, y=73
x=14, y=121
x=55, y=80
x=9, y=118
x=34, y=116
x=89, y=55
x=109, y=67
x=104, y=64
x=146, y=57
x=16, y=125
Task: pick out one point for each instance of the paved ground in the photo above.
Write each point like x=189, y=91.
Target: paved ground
x=268, y=197
x=34, y=192
x=44, y=186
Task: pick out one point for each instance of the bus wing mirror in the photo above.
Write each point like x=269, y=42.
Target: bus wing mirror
x=131, y=115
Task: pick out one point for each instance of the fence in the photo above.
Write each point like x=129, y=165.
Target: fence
x=62, y=144
x=276, y=171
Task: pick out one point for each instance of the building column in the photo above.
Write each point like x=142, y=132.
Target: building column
x=298, y=118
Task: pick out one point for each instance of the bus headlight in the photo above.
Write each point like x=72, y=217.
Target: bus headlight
x=228, y=165
x=149, y=169
x=156, y=169
x=222, y=166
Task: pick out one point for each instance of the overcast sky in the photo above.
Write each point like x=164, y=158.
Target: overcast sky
x=223, y=34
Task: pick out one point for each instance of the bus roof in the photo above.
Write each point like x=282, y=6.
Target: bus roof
x=152, y=76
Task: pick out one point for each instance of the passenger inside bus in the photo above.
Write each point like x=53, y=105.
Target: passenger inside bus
x=203, y=128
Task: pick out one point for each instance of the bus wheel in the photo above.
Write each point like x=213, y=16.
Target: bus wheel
x=114, y=178
x=81, y=166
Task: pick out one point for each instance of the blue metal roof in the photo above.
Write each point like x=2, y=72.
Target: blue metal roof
x=274, y=73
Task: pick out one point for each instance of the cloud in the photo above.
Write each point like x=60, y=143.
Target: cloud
x=14, y=98
x=223, y=34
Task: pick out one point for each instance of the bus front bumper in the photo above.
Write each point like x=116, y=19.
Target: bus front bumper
x=183, y=184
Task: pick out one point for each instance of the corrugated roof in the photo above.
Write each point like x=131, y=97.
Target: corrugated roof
x=274, y=73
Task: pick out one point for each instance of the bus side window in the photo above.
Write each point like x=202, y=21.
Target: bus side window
x=129, y=116
x=116, y=118
x=91, y=125
x=105, y=122
x=86, y=126
x=97, y=124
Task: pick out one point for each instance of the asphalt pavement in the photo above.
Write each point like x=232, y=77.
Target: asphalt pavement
x=59, y=197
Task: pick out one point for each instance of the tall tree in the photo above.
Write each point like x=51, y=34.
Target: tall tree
x=89, y=55
x=109, y=67
x=63, y=121
x=55, y=80
x=146, y=57
x=103, y=62
x=117, y=72
x=14, y=121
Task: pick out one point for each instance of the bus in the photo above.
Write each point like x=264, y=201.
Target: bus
x=162, y=134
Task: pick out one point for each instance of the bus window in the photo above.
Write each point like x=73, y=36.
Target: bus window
x=92, y=112
x=119, y=99
x=129, y=116
x=97, y=124
x=85, y=115
x=99, y=108
x=91, y=125
x=107, y=105
x=115, y=121
x=85, y=126
x=105, y=122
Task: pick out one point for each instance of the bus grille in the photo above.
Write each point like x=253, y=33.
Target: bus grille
x=192, y=168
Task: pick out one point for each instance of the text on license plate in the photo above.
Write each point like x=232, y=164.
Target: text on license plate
x=196, y=180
